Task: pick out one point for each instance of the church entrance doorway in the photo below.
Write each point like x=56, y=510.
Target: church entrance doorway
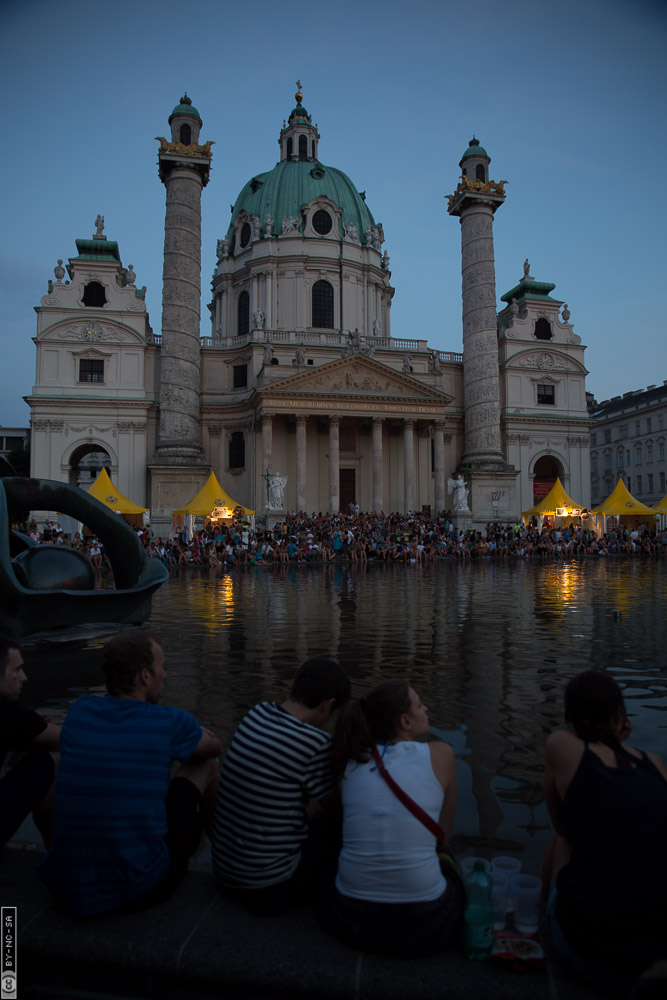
x=547, y=470
x=347, y=485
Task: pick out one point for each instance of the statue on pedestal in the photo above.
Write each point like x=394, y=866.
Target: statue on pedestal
x=460, y=490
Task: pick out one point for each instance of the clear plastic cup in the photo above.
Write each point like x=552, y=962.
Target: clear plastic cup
x=526, y=891
x=505, y=865
x=499, y=892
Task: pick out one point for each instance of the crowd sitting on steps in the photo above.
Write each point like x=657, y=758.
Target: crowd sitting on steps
x=360, y=538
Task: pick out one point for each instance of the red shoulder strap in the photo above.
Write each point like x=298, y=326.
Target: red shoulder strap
x=409, y=803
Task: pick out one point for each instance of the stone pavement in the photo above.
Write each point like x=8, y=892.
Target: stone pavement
x=202, y=945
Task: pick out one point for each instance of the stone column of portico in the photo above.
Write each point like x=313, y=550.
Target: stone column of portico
x=334, y=465
x=378, y=470
x=439, y=466
x=267, y=448
x=301, y=462
x=408, y=464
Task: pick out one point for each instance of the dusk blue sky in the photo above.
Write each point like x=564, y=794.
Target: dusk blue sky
x=567, y=97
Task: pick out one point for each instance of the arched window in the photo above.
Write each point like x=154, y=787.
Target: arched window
x=480, y=172
x=186, y=135
x=237, y=450
x=323, y=300
x=543, y=329
x=94, y=295
x=290, y=147
x=303, y=147
x=243, y=324
x=312, y=149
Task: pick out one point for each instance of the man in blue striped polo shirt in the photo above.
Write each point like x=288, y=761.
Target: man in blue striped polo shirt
x=123, y=831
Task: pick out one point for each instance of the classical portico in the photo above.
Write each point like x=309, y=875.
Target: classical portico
x=354, y=429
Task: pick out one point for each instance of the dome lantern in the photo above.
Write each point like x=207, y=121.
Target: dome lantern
x=298, y=139
x=185, y=122
x=475, y=161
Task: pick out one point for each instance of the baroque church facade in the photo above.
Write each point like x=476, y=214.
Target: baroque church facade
x=297, y=373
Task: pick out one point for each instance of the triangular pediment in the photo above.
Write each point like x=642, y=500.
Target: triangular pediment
x=355, y=377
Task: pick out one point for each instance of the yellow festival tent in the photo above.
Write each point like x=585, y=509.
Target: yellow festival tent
x=621, y=503
x=210, y=496
x=556, y=499
x=660, y=508
x=103, y=489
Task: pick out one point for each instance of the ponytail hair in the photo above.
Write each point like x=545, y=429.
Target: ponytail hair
x=363, y=722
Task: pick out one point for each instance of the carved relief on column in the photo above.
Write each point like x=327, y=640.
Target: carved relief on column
x=409, y=464
x=378, y=469
x=301, y=421
x=439, y=465
x=334, y=465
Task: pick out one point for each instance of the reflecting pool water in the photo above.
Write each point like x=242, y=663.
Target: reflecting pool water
x=488, y=647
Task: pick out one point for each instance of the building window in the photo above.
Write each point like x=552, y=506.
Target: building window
x=303, y=147
x=186, y=135
x=594, y=440
x=480, y=173
x=323, y=301
x=661, y=421
x=246, y=233
x=638, y=426
x=290, y=147
x=650, y=482
x=543, y=329
x=649, y=452
x=623, y=432
x=628, y=457
x=630, y=483
x=237, y=450
x=594, y=464
x=322, y=222
x=546, y=394
x=661, y=451
x=619, y=458
x=662, y=482
x=94, y=295
x=639, y=485
x=607, y=436
x=607, y=460
x=638, y=454
x=240, y=376
x=595, y=491
x=649, y=425
x=243, y=324
x=91, y=370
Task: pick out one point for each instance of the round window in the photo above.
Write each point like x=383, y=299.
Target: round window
x=322, y=222
x=245, y=234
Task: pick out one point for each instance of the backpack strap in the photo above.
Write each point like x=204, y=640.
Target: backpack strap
x=409, y=803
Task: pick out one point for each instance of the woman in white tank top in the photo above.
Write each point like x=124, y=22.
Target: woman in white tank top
x=391, y=895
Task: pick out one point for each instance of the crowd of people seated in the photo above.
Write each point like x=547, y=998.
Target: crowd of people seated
x=358, y=538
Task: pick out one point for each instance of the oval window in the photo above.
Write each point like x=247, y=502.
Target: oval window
x=322, y=222
x=245, y=234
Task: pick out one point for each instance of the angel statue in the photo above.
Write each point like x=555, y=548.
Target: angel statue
x=276, y=489
x=460, y=490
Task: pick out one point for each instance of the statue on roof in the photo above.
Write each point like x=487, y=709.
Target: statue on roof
x=59, y=271
x=526, y=270
x=99, y=228
x=130, y=276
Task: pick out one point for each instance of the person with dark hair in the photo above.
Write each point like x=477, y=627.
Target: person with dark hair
x=607, y=863
x=392, y=894
x=124, y=828
x=28, y=785
x=271, y=843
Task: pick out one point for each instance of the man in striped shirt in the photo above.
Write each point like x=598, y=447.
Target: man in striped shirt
x=271, y=844
x=123, y=831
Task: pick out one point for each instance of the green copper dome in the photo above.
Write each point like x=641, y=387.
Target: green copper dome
x=186, y=107
x=282, y=191
x=474, y=149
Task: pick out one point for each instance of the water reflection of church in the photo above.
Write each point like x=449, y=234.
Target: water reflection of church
x=299, y=373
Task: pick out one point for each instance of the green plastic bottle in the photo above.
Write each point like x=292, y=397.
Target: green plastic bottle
x=478, y=913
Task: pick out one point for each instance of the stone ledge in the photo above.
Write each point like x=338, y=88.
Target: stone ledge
x=202, y=944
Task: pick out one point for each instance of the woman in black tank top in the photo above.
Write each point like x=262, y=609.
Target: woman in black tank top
x=608, y=860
